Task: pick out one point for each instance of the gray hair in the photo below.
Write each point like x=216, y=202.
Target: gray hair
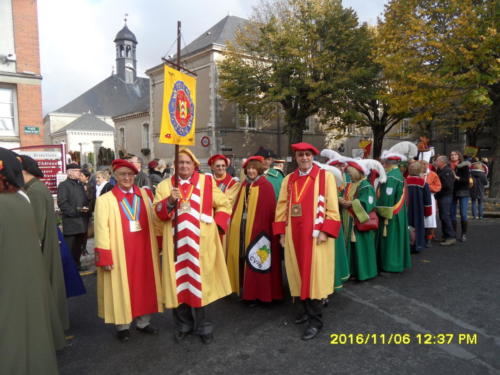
x=442, y=158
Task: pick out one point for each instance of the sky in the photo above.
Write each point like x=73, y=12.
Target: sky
x=76, y=36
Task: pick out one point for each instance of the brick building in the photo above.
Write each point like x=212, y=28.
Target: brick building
x=20, y=80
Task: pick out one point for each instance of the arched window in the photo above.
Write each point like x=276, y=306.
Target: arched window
x=122, y=51
x=128, y=51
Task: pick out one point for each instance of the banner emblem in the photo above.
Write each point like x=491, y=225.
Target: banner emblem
x=181, y=109
x=259, y=254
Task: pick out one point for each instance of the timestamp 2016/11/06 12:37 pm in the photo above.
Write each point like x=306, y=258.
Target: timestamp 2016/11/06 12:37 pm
x=403, y=338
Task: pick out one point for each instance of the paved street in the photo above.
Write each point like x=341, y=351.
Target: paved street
x=452, y=291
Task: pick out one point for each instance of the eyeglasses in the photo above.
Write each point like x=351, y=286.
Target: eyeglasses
x=125, y=174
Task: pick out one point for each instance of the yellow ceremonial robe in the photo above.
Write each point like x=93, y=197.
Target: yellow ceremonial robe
x=113, y=297
x=323, y=256
x=214, y=276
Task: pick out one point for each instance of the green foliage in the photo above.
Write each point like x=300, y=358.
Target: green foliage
x=441, y=59
x=310, y=56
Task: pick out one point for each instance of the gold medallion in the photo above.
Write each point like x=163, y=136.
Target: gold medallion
x=296, y=210
x=184, y=207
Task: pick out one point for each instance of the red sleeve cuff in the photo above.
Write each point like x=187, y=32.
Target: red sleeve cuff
x=279, y=227
x=222, y=220
x=161, y=210
x=103, y=257
x=427, y=211
x=331, y=227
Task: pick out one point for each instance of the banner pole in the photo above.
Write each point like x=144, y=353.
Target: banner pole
x=176, y=157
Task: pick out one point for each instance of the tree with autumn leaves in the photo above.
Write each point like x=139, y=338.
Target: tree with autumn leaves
x=309, y=56
x=441, y=59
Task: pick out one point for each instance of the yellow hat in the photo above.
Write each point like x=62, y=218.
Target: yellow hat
x=189, y=153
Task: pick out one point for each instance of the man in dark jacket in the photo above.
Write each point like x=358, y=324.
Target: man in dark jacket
x=445, y=198
x=141, y=179
x=74, y=205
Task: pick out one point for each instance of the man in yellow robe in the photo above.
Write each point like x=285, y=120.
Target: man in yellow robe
x=307, y=220
x=194, y=273
x=127, y=257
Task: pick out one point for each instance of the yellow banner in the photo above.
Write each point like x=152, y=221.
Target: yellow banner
x=179, y=105
x=471, y=151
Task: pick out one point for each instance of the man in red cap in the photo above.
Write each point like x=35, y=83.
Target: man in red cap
x=228, y=184
x=307, y=221
x=127, y=257
x=194, y=271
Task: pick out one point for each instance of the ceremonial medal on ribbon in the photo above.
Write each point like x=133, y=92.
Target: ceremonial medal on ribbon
x=132, y=213
x=185, y=207
x=296, y=210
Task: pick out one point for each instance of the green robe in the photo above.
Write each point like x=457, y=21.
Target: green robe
x=45, y=217
x=275, y=177
x=361, y=245
x=31, y=328
x=342, y=267
x=393, y=237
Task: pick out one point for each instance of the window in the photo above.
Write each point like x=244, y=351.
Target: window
x=121, y=138
x=246, y=120
x=145, y=136
x=122, y=51
x=7, y=112
x=127, y=49
x=310, y=121
x=129, y=75
x=405, y=127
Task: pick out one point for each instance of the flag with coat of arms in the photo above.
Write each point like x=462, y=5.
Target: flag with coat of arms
x=179, y=108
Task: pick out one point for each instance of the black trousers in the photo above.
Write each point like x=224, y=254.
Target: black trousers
x=313, y=309
x=192, y=319
x=75, y=243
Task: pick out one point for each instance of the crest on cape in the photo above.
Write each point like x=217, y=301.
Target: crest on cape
x=259, y=254
x=181, y=109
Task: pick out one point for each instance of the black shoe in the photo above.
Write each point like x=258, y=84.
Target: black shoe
x=207, y=339
x=310, y=333
x=149, y=329
x=301, y=319
x=123, y=335
x=180, y=336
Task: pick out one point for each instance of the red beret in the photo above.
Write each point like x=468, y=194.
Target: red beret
x=118, y=163
x=258, y=158
x=303, y=146
x=152, y=164
x=216, y=157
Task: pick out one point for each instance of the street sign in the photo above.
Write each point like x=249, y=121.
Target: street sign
x=31, y=130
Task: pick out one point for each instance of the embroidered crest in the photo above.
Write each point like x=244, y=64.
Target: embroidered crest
x=370, y=199
x=181, y=109
x=259, y=254
x=389, y=190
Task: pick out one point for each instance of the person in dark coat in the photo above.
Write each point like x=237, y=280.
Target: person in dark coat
x=141, y=179
x=31, y=328
x=74, y=205
x=444, y=198
x=45, y=217
x=156, y=172
x=461, y=193
x=478, y=174
x=419, y=204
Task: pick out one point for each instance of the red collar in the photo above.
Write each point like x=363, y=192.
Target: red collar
x=120, y=195
x=414, y=180
x=193, y=179
x=314, y=172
